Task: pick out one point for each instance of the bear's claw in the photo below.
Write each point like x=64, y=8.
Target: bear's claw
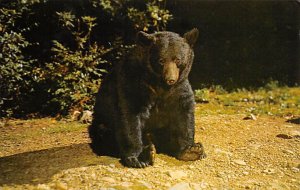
x=134, y=162
x=191, y=153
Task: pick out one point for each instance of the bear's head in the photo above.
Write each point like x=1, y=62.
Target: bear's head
x=169, y=56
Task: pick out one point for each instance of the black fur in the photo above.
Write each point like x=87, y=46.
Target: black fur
x=134, y=100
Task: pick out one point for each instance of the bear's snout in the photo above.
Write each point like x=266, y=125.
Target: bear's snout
x=170, y=73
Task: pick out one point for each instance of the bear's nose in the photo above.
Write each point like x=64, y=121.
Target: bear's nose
x=170, y=82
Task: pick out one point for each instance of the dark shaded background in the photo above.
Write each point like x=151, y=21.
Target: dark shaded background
x=242, y=43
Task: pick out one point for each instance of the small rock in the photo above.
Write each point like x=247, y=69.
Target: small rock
x=167, y=184
x=198, y=186
x=246, y=173
x=124, y=179
x=87, y=116
x=181, y=186
x=288, y=151
x=75, y=115
x=176, y=174
x=255, y=146
x=126, y=184
x=221, y=175
x=202, y=128
x=43, y=187
x=145, y=184
x=60, y=186
x=250, y=117
x=109, y=180
x=294, y=169
x=217, y=150
x=112, y=165
x=240, y=162
x=269, y=171
x=134, y=172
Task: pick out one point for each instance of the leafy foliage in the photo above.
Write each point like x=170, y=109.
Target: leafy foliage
x=61, y=70
x=15, y=76
x=155, y=16
x=74, y=75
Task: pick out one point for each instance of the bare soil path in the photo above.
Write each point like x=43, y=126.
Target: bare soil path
x=260, y=153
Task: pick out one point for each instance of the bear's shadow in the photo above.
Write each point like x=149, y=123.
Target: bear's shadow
x=39, y=166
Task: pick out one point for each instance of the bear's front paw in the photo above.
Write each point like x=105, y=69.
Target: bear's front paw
x=134, y=162
x=192, y=153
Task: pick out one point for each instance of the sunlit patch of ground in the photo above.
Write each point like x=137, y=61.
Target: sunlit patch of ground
x=252, y=139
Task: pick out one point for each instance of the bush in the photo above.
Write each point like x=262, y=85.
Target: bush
x=54, y=55
x=15, y=66
x=73, y=76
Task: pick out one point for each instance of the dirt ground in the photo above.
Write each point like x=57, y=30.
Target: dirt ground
x=255, y=153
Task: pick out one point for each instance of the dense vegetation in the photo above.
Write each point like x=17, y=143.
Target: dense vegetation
x=54, y=54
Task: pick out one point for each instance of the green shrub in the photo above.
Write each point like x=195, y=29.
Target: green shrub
x=61, y=70
x=73, y=76
x=15, y=67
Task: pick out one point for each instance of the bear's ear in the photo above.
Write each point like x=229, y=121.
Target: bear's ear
x=145, y=39
x=191, y=36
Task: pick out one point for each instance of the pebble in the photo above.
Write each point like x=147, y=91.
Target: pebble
x=176, y=174
x=294, y=169
x=86, y=117
x=109, y=180
x=240, y=162
x=220, y=151
x=126, y=184
x=269, y=171
x=198, y=186
x=222, y=175
x=60, y=186
x=288, y=151
x=43, y=187
x=134, y=172
x=250, y=117
x=75, y=115
x=146, y=184
x=181, y=186
x=112, y=165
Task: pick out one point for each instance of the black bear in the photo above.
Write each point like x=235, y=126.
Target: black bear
x=148, y=98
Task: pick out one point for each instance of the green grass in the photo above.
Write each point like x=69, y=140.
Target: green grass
x=270, y=100
x=66, y=127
